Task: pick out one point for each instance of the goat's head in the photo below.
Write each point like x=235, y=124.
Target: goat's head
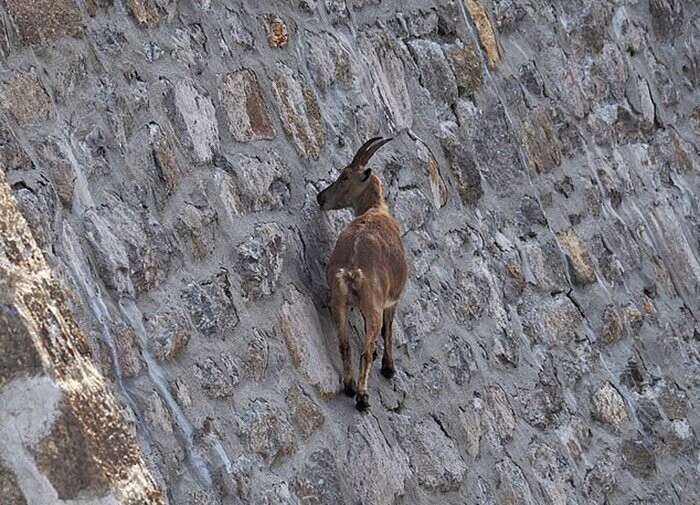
x=353, y=180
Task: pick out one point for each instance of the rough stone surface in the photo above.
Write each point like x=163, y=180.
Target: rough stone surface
x=166, y=157
x=299, y=111
x=144, y=12
x=277, y=34
x=194, y=115
x=64, y=457
x=247, y=114
x=26, y=99
x=608, y=406
x=58, y=412
x=40, y=21
x=260, y=261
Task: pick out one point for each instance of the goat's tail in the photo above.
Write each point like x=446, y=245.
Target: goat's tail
x=350, y=279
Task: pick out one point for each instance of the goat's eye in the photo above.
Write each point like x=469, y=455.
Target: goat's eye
x=344, y=177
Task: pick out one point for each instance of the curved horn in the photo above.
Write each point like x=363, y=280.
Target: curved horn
x=367, y=150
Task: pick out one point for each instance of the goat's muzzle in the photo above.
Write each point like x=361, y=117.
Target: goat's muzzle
x=321, y=199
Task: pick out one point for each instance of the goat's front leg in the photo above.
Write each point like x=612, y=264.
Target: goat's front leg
x=387, y=369
x=339, y=308
x=373, y=317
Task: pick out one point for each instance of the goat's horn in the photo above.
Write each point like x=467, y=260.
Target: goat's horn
x=367, y=150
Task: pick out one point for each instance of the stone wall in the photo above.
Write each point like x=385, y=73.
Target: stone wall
x=166, y=155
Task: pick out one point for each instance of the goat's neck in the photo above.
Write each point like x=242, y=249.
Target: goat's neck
x=370, y=198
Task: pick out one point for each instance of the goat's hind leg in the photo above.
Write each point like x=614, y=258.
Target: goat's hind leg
x=387, y=369
x=339, y=307
x=373, y=317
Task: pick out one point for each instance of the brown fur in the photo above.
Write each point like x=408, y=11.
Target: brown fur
x=367, y=267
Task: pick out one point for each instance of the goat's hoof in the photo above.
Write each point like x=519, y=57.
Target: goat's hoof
x=362, y=402
x=387, y=371
x=350, y=389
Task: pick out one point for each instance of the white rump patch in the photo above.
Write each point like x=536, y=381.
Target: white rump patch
x=342, y=283
x=390, y=303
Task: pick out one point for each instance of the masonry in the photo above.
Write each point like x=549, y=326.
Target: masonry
x=164, y=329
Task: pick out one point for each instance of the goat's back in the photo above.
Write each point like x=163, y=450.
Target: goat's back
x=372, y=244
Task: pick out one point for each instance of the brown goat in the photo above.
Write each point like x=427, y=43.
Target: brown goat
x=367, y=267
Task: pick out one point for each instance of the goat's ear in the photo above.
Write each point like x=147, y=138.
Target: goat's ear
x=366, y=174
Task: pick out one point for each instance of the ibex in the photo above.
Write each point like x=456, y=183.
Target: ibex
x=367, y=267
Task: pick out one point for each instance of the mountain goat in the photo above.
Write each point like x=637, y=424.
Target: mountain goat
x=367, y=267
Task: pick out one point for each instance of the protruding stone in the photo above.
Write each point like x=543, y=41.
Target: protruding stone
x=553, y=472
x=145, y=12
x=336, y=9
x=278, y=494
x=129, y=256
x=196, y=227
x=438, y=189
x=12, y=156
x=580, y=262
x=169, y=334
x=547, y=265
x=541, y=141
x=301, y=329
x=608, y=406
x=666, y=17
x=257, y=355
x=267, y=431
x=470, y=420
x=277, y=35
x=498, y=415
x=167, y=172
x=329, y=61
x=415, y=23
x=128, y=351
x=26, y=98
x=484, y=30
x=508, y=15
x=152, y=51
x=262, y=182
x=182, y=393
x=41, y=21
x=305, y=413
x=368, y=456
x=512, y=487
x=541, y=406
x=674, y=401
x=247, y=114
x=240, y=33
x=260, y=261
x=434, y=457
x=435, y=73
x=320, y=480
x=157, y=414
x=211, y=310
x=300, y=112
x=382, y=58
x=460, y=359
x=638, y=458
x=464, y=169
x=612, y=325
x=466, y=66
x=194, y=115
x=633, y=316
x=217, y=378
x=55, y=159
x=602, y=477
